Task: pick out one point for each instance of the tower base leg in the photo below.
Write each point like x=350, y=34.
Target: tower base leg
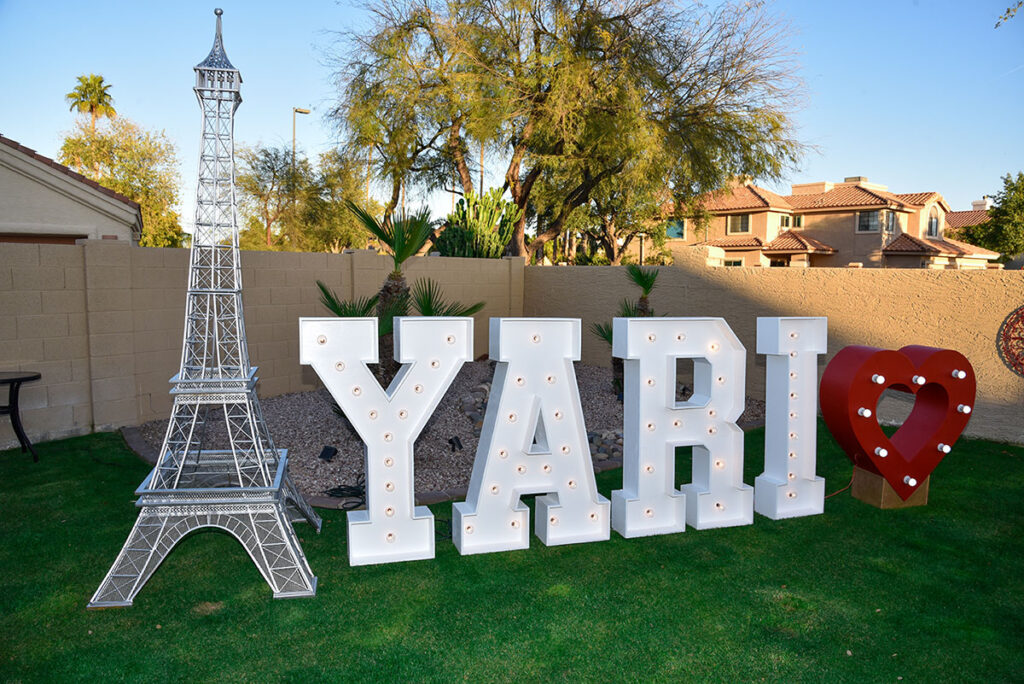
x=264, y=529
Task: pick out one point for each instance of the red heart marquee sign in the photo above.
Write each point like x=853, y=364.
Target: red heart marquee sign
x=944, y=385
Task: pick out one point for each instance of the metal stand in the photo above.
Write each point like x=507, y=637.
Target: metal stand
x=244, y=490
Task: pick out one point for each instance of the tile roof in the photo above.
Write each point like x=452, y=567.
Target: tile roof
x=744, y=197
x=918, y=198
x=845, y=196
x=28, y=152
x=736, y=242
x=908, y=244
x=962, y=219
x=792, y=241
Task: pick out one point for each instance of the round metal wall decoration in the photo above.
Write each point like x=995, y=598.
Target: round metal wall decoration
x=1010, y=341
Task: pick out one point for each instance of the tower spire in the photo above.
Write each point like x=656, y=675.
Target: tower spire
x=217, y=59
x=242, y=487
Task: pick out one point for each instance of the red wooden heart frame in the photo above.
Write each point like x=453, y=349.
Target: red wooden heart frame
x=944, y=385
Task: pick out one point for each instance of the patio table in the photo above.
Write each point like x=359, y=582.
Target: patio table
x=14, y=380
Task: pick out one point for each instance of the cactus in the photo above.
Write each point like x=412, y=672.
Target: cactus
x=479, y=227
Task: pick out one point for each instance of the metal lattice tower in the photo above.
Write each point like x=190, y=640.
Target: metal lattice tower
x=244, y=489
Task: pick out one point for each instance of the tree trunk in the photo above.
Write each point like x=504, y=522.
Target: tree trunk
x=394, y=290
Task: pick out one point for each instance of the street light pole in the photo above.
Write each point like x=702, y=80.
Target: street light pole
x=295, y=110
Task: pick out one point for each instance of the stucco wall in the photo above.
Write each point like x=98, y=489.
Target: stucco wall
x=103, y=322
x=884, y=308
x=36, y=199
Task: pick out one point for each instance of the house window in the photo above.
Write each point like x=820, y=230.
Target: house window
x=868, y=221
x=784, y=221
x=733, y=262
x=676, y=229
x=737, y=224
x=890, y=221
x=933, y=223
x=798, y=221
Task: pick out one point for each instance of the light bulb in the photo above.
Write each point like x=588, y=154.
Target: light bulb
x=864, y=412
x=390, y=486
x=878, y=379
x=791, y=495
x=649, y=512
x=389, y=461
x=719, y=506
x=944, y=448
x=390, y=538
x=648, y=468
x=652, y=337
x=881, y=452
x=373, y=414
x=435, y=364
x=520, y=469
x=566, y=449
x=553, y=520
x=963, y=408
x=321, y=339
x=511, y=417
x=403, y=414
x=356, y=391
x=919, y=380
x=572, y=484
x=340, y=366
x=910, y=481
x=959, y=374
x=389, y=511
x=495, y=489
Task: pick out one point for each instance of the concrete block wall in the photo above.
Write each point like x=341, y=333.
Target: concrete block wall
x=43, y=327
x=103, y=322
x=885, y=308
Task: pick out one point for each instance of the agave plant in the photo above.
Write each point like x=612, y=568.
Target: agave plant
x=644, y=278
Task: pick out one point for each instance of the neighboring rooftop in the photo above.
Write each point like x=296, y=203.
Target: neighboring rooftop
x=29, y=152
x=793, y=242
x=963, y=219
x=908, y=244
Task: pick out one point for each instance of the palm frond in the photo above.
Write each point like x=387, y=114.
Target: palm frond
x=405, y=236
x=343, y=308
x=428, y=300
x=628, y=309
x=603, y=331
x=643, y=277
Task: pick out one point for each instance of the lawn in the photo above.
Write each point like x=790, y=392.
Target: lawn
x=857, y=594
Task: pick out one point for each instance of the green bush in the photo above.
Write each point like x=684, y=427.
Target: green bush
x=480, y=227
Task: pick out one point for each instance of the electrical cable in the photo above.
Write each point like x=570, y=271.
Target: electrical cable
x=840, y=491
x=356, y=494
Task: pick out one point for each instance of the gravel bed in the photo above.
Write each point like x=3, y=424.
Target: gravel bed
x=305, y=422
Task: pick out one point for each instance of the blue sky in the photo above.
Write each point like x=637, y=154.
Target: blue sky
x=919, y=95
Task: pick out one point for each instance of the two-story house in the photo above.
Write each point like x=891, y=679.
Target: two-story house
x=852, y=223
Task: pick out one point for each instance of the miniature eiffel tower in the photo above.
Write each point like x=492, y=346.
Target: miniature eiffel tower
x=244, y=490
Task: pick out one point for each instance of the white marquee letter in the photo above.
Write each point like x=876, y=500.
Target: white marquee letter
x=534, y=441
x=655, y=424
x=788, y=487
x=432, y=350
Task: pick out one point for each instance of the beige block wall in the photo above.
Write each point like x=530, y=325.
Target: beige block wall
x=43, y=328
x=884, y=308
x=103, y=322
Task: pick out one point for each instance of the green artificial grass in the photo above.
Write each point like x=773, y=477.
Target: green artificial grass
x=857, y=594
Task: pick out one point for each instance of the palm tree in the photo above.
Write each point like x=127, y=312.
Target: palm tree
x=404, y=237
x=644, y=278
x=91, y=97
